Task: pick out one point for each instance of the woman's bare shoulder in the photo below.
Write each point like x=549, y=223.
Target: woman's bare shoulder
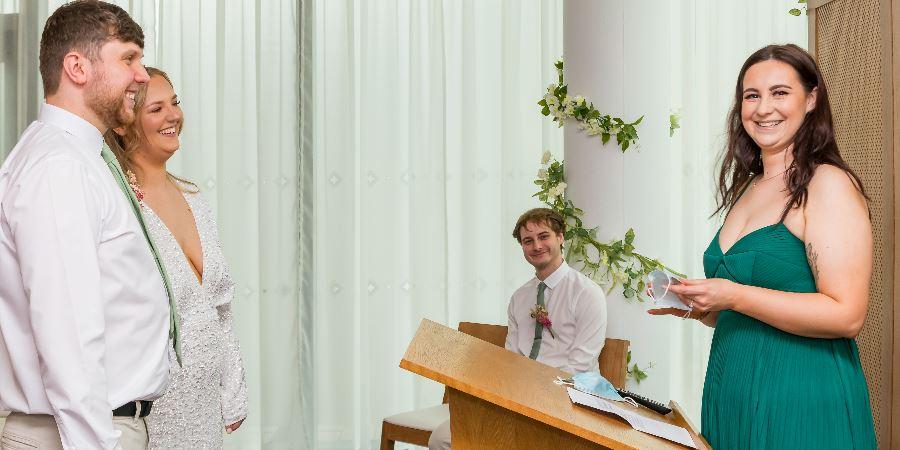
x=828, y=179
x=834, y=197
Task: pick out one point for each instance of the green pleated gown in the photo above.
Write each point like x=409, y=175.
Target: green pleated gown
x=768, y=389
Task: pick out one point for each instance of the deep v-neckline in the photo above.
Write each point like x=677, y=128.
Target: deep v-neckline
x=719, y=235
x=198, y=273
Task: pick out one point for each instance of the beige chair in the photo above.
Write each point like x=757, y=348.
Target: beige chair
x=415, y=427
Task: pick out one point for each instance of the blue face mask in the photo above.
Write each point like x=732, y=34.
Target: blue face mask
x=594, y=383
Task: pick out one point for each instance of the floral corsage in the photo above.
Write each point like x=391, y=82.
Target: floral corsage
x=540, y=314
x=133, y=182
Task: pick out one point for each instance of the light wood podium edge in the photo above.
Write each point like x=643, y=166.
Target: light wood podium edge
x=515, y=407
x=678, y=415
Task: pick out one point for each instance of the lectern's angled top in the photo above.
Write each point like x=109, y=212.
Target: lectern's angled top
x=519, y=384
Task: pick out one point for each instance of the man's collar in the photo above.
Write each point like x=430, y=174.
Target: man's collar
x=557, y=275
x=72, y=124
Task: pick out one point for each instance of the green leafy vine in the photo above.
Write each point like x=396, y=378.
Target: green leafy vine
x=561, y=106
x=609, y=264
x=636, y=372
x=674, y=122
x=798, y=11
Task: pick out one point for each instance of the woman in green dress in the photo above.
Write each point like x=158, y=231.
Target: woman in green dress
x=787, y=275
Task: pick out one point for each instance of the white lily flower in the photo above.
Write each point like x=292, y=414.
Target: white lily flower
x=550, y=99
x=545, y=158
x=542, y=174
x=557, y=191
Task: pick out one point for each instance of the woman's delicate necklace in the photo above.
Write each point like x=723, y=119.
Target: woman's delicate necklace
x=755, y=182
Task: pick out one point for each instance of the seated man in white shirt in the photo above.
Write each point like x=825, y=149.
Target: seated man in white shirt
x=575, y=306
x=84, y=311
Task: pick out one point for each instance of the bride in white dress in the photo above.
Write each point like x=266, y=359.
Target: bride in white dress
x=207, y=396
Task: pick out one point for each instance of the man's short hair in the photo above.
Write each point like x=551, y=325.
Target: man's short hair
x=543, y=216
x=83, y=26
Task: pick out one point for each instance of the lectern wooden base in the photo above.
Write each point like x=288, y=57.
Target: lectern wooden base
x=501, y=400
x=479, y=425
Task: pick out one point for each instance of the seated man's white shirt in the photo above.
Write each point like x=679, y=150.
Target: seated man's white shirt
x=84, y=314
x=577, y=310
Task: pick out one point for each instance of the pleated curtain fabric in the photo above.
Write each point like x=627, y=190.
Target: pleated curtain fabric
x=427, y=141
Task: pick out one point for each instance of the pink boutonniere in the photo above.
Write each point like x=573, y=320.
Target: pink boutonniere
x=540, y=314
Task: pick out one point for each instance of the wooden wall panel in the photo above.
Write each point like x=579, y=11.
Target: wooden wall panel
x=852, y=42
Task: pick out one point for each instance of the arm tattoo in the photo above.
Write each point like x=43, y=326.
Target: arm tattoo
x=812, y=256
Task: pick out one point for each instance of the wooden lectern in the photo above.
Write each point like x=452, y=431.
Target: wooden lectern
x=501, y=400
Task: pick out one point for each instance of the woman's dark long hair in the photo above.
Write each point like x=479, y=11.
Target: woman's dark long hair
x=814, y=143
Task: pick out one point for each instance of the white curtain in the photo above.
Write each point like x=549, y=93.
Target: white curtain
x=427, y=138
x=9, y=39
x=20, y=90
x=235, y=66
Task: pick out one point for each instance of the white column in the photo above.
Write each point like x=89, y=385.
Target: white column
x=617, y=56
x=594, y=55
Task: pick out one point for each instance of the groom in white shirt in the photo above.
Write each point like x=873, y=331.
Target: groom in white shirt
x=575, y=307
x=84, y=312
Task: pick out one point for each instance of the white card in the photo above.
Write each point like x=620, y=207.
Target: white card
x=638, y=422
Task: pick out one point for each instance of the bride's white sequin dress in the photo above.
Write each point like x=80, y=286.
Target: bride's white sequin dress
x=208, y=391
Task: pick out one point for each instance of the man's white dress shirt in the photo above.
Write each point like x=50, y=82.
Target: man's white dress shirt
x=577, y=310
x=84, y=315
